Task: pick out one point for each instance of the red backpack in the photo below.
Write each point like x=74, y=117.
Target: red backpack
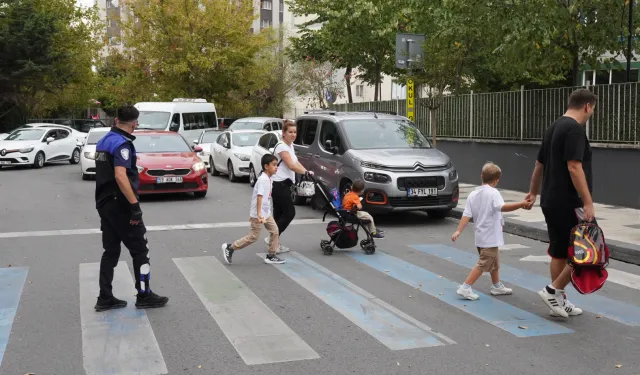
x=589, y=256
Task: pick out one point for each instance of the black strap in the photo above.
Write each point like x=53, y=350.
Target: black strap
x=274, y=150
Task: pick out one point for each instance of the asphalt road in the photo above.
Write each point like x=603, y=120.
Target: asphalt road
x=394, y=312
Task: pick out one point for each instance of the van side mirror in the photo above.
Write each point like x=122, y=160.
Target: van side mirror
x=330, y=147
x=174, y=127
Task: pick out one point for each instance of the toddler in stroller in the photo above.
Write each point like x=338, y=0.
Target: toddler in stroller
x=343, y=233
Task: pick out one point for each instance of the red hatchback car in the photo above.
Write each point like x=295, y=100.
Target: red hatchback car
x=167, y=164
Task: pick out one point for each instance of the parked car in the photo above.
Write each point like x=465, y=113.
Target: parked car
x=88, y=154
x=36, y=146
x=225, y=122
x=266, y=144
x=3, y=136
x=79, y=136
x=167, y=164
x=205, y=140
x=402, y=171
x=257, y=123
x=232, y=151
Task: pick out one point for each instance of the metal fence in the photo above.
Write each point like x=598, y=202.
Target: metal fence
x=522, y=115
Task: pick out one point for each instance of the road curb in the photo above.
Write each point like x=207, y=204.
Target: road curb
x=622, y=251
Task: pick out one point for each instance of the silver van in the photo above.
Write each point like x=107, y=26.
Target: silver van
x=400, y=168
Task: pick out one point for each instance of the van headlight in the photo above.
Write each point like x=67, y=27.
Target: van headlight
x=26, y=150
x=377, y=177
x=90, y=155
x=197, y=167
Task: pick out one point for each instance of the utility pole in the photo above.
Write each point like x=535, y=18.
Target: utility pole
x=629, y=40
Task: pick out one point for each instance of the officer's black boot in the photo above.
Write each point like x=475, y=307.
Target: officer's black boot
x=108, y=303
x=150, y=300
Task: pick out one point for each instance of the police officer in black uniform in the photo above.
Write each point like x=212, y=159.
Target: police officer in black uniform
x=117, y=183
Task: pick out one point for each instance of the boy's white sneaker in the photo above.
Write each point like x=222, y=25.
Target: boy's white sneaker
x=281, y=249
x=501, y=290
x=467, y=293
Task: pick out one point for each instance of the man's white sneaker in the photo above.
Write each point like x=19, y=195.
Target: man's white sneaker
x=554, y=301
x=501, y=290
x=570, y=308
x=467, y=293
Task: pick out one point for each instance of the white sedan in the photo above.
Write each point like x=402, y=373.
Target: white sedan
x=36, y=146
x=266, y=144
x=88, y=155
x=205, y=140
x=231, y=152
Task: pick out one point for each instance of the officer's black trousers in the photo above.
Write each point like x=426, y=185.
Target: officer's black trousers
x=114, y=223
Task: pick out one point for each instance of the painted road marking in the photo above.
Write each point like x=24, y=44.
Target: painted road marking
x=118, y=341
x=11, y=284
x=256, y=332
x=488, y=308
x=152, y=228
x=513, y=246
x=393, y=328
x=615, y=310
x=627, y=279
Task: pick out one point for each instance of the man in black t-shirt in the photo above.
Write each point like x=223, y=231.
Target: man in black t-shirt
x=564, y=168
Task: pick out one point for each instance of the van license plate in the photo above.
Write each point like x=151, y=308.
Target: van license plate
x=164, y=180
x=422, y=192
x=4, y=162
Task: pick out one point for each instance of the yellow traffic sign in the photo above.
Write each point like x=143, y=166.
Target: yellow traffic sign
x=410, y=99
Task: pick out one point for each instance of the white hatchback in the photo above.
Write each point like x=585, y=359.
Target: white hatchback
x=88, y=155
x=36, y=146
x=231, y=152
x=205, y=140
x=265, y=145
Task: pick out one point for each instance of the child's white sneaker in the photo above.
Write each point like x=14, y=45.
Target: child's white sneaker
x=467, y=293
x=500, y=290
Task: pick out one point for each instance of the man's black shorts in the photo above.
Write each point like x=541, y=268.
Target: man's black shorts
x=560, y=221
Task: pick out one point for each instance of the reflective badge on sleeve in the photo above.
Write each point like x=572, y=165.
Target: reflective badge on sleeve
x=125, y=153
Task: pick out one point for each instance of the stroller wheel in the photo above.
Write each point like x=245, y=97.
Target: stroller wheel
x=327, y=249
x=368, y=246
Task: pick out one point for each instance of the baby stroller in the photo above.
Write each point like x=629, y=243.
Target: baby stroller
x=343, y=233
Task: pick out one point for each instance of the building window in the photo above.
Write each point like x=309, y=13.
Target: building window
x=360, y=91
x=109, y=4
x=113, y=23
x=266, y=4
x=266, y=23
x=281, y=6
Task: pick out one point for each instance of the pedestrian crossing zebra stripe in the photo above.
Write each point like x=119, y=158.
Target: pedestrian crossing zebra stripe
x=254, y=330
x=393, y=328
x=11, y=285
x=117, y=341
x=621, y=312
x=488, y=308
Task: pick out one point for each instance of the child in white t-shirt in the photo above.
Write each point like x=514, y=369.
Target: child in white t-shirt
x=485, y=205
x=260, y=213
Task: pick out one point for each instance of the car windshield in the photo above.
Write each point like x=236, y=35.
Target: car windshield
x=94, y=137
x=148, y=143
x=383, y=133
x=27, y=134
x=153, y=120
x=210, y=137
x=245, y=139
x=246, y=126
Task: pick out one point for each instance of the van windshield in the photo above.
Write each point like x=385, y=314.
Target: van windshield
x=383, y=133
x=153, y=120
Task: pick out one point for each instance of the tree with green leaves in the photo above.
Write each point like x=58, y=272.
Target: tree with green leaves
x=46, y=51
x=200, y=49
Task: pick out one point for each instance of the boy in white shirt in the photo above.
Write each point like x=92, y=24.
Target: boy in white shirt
x=485, y=205
x=260, y=213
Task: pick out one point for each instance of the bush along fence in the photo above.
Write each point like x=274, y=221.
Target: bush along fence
x=522, y=115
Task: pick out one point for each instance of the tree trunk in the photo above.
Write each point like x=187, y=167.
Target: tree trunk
x=434, y=125
x=348, y=79
x=375, y=92
x=575, y=65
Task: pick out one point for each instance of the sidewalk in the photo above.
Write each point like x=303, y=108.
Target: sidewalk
x=621, y=225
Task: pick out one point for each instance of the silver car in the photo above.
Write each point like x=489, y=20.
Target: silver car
x=400, y=168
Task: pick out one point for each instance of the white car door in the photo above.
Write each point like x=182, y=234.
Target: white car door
x=217, y=152
x=67, y=143
x=51, y=149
